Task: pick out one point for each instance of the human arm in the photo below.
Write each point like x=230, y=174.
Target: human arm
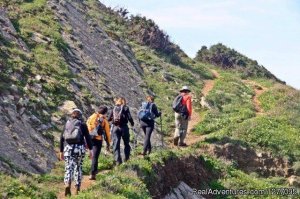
x=155, y=111
x=110, y=115
x=87, y=137
x=189, y=105
x=129, y=117
x=107, y=131
x=61, y=145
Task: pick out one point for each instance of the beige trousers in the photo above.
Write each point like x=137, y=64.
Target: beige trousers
x=181, y=126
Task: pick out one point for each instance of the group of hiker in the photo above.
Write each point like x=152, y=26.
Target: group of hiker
x=113, y=126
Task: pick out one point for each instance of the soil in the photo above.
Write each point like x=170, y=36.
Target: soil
x=196, y=119
x=85, y=184
x=258, y=89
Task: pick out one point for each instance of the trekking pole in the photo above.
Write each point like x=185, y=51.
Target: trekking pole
x=161, y=131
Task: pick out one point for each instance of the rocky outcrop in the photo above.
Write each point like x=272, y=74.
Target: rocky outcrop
x=25, y=145
x=106, y=67
x=248, y=160
x=170, y=175
x=183, y=191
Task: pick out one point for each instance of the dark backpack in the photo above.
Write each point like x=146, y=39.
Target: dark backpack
x=73, y=133
x=145, y=112
x=117, y=115
x=98, y=130
x=178, y=107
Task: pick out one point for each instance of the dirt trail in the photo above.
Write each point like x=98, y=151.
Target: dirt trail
x=258, y=89
x=195, y=119
x=85, y=184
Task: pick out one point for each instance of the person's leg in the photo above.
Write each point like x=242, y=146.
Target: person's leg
x=126, y=139
x=145, y=140
x=149, y=131
x=78, y=160
x=177, y=128
x=68, y=175
x=97, y=144
x=116, y=144
x=183, y=131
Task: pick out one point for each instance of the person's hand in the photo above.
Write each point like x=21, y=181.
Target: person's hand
x=61, y=156
x=91, y=154
x=159, y=114
x=108, y=148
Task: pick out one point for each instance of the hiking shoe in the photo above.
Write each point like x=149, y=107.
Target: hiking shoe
x=77, y=189
x=92, y=177
x=182, y=144
x=68, y=191
x=176, y=141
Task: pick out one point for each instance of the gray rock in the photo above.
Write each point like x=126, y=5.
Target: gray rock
x=35, y=120
x=183, y=191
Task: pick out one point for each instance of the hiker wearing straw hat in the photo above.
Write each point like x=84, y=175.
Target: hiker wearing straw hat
x=182, y=105
x=72, y=149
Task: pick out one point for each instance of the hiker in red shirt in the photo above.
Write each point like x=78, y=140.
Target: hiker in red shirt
x=182, y=119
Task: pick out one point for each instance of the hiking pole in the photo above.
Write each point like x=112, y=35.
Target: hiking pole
x=161, y=132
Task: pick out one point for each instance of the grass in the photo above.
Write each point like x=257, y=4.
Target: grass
x=233, y=116
x=231, y=104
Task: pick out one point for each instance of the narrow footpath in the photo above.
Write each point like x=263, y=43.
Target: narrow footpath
x=196, y=119
x=258, y=91
x=191, y=138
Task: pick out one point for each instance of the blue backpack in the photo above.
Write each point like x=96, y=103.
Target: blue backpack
x=145, y=112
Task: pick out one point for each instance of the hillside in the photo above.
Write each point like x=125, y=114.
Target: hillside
x=60, y=54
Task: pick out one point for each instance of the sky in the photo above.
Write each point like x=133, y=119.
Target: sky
x=264, y=30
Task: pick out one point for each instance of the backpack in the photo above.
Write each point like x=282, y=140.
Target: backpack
x=72, y=133
x=117, y=115
x=145, y=112
x=98, y=131
x=178, y=107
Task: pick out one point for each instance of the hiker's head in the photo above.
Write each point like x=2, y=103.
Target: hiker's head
x=123, y=100
x=150, y=98
x=118, y=101
x=102, y=110
x=76, y=113
x=185, y=90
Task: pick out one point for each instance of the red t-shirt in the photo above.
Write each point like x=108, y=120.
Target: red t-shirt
x=187, y=100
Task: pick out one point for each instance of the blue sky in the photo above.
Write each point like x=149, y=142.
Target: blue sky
x=265, y=30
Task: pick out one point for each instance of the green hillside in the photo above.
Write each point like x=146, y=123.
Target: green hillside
x=248, y=134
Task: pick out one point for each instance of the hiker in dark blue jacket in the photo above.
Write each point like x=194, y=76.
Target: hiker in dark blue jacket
x=147, y=125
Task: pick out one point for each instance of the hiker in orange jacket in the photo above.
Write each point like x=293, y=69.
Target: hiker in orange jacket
x=104, y=131
x=182, y=120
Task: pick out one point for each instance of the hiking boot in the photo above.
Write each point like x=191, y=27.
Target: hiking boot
x=67, y=191
x=176, y=141
x=77, y=189
x=182, y=144
x=92, y=177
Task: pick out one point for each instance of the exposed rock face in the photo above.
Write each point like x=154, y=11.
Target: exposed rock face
x=23, y=144
x=183, y=191
x=107, y=68
x=104, y=67
x=249, y=160
x=190, y=170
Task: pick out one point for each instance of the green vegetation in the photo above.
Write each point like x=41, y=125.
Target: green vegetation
x=231, y=100
x=166, y=68
x=233, y=116
x=224, y=57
